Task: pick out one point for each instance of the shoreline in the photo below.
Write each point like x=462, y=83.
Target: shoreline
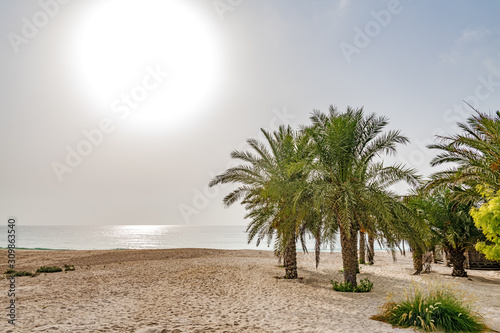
x=210, y=290
x=299, y=250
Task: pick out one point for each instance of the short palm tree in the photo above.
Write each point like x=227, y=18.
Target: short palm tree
x=450, y=224
x=274, y=190
x=352, y=184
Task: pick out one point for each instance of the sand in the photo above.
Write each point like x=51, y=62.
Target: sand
x=200, y=290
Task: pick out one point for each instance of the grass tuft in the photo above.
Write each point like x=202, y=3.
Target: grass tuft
x=364, y=286
x=14, y=273
x=434, y=307
x=49, y=269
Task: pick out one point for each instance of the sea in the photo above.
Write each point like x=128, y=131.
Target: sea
x=110, y=237
x=113, y=237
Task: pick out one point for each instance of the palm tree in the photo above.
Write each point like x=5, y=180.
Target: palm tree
x=424, y=240
x=450, y=223
x=353, y=185
x=477, y=154
x=274, y=190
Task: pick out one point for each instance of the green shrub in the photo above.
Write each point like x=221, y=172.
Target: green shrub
x=12, y=272
x=438, y=307
x=69, y=267
x=49, y=269
x=23, y=273
x=364, y=286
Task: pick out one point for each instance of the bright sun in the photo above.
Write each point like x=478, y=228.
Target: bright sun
x=118, y=42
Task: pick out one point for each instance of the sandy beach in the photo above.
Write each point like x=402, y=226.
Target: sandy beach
x=203, y=290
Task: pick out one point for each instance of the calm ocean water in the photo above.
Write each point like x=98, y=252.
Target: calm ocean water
x=132, y=237
x=129, y=237
x=110, y=237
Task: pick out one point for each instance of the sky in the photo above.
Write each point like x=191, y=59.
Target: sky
x=121, y=111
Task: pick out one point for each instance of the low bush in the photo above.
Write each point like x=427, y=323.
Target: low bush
x=23, y=273
x=364, y=286
x=437, y=307
x=12, y=272
x=49, y=269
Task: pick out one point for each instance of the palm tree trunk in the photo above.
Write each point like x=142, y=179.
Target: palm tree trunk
x=317, y=247
x=290, y=258
x=348, y=241
x=362, y=248
x=457, y=259
x=418, y=264
x=371, y=248
x=447, y=257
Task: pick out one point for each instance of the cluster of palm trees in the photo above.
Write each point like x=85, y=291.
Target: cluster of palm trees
x=449, y=227
x=329, y=177
x=473, y=180
x=321, y=179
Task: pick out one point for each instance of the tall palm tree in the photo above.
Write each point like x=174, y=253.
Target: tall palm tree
x=274, y=190
x=353, y=185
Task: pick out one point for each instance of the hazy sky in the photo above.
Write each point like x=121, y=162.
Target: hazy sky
x=121, y=111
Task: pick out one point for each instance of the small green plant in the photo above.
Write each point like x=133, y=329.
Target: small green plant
x=49, y=269
x=11, y=272
x=69, y=267
x=437, y=307
x=23, y=273
x=364, y=286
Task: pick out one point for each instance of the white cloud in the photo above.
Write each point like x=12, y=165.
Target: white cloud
x=470, y=35
x=473, y=45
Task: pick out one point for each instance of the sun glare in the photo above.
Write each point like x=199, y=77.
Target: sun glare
x=118, y=43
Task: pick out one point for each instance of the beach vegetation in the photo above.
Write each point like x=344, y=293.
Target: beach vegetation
x=274, y=189
x=363, y=286
x=450, y=224
x=49, y=269
x=475, y=153
x=323, y=179
x=353, y=184
x=12, y=272
x=23, y=273
x=433, y=307
x=487, y=218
